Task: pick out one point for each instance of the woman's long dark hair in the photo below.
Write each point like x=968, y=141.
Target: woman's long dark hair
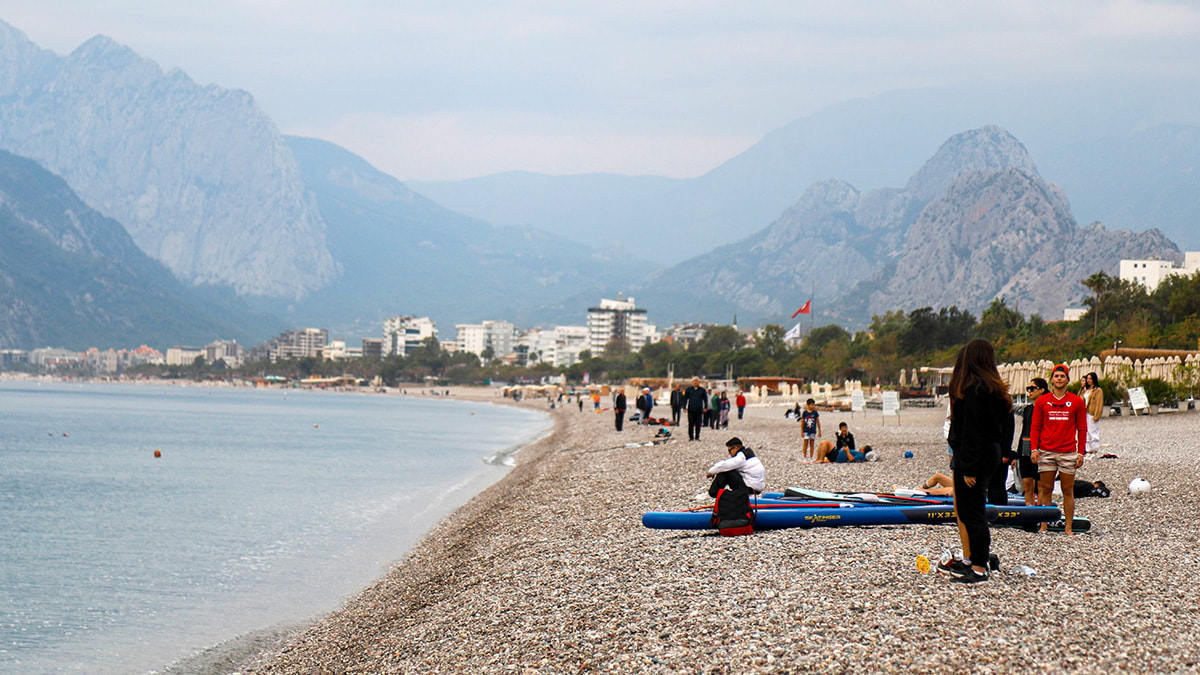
x=975, y=366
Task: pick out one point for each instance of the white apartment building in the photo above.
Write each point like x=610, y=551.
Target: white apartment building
x=1150, y=273
x=402, y=334
x=183, y=356
x=337, y=350
x=293, y=344
x=616, y=320
x=499, y=336
x=560, y=346
x=228, y=351
x=53, y=357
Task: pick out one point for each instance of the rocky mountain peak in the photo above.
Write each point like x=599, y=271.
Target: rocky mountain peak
x=987, y=148
x=20, y=60
x=199, y=176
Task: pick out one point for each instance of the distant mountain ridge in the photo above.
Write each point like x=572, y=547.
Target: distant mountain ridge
x=1128, y=153
x=204, y=182
x=69, y=277
x=404, y=254
x=199, y=176
x=974, y=223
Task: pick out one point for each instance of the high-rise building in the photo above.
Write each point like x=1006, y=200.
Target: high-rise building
x=499, y=336
x=616, y=321
x=402, y=334
x=293, y=344
x=559, y=346
x=372, y=348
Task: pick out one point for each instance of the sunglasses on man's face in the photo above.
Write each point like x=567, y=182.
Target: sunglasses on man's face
x=1031, y=388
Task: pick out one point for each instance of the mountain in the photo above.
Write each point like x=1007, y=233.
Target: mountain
x=404, y=254
x=70, y=277
x=1006, y=234
x=1125, y=151
x=974, y=223
x=199, y=175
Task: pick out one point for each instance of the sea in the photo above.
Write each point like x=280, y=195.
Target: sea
x=143, y=524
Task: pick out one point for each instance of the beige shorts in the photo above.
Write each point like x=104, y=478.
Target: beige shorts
x=1062, y=462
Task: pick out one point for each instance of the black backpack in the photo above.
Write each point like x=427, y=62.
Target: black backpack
x=732, y=515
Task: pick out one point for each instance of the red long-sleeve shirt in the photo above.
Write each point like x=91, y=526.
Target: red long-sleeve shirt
x=1059, y=424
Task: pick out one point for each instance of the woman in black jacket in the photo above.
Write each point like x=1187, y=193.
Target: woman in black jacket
x=1026, y=468
x=981, y=427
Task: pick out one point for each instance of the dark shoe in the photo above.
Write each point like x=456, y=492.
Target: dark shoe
x=971, y=577
x=955, y=568
x=993, y=562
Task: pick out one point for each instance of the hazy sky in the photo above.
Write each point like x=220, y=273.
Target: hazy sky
x=449, y=89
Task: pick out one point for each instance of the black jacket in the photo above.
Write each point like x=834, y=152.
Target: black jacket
x=981, y=428
x=695, y=399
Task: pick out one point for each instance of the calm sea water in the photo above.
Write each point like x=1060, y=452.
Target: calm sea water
x=265, y=507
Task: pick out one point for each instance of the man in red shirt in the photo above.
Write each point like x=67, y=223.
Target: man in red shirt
x=1058, y=440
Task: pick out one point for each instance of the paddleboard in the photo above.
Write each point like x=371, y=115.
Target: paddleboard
x=780, y=518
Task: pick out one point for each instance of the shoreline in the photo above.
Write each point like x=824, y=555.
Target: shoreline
x=230, y=655
x=549, y=569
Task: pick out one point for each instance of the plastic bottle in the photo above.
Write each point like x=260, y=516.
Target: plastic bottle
x=1024, y=570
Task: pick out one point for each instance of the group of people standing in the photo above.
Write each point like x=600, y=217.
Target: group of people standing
x=1056, y=431
x=644, y=404
x=703, y=409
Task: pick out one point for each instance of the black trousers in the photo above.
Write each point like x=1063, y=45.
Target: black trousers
x=620, y=419
x=695, y=421
x=676, y=411
x=971, y=504
x=997, y=492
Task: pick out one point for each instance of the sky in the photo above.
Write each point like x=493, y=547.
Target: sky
x=450, y=89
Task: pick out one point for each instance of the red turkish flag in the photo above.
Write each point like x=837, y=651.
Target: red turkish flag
x=806, y=309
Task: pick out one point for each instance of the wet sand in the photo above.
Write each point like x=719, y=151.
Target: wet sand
x=550, y=571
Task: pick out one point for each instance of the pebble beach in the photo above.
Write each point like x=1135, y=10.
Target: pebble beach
x=550, y=570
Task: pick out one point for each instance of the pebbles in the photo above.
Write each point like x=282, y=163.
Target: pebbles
x=550, y=570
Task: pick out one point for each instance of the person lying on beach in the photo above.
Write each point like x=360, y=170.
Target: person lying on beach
x=835, y=455
x=1095, y=488
x=938, y=484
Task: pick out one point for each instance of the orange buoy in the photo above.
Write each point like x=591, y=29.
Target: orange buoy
x=158, y=453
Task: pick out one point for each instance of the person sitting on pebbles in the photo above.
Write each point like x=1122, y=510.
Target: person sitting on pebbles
x=841, y=449
x=741, y=469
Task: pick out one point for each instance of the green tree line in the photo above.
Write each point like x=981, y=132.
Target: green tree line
x=1117, y=312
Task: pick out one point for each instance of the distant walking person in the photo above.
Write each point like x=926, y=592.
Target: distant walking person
x=619, y=409
x=676, y=405
x=1058, y=442
x=695, y=400
x=1093, y=396
x=981, y=426
x=740, y=401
